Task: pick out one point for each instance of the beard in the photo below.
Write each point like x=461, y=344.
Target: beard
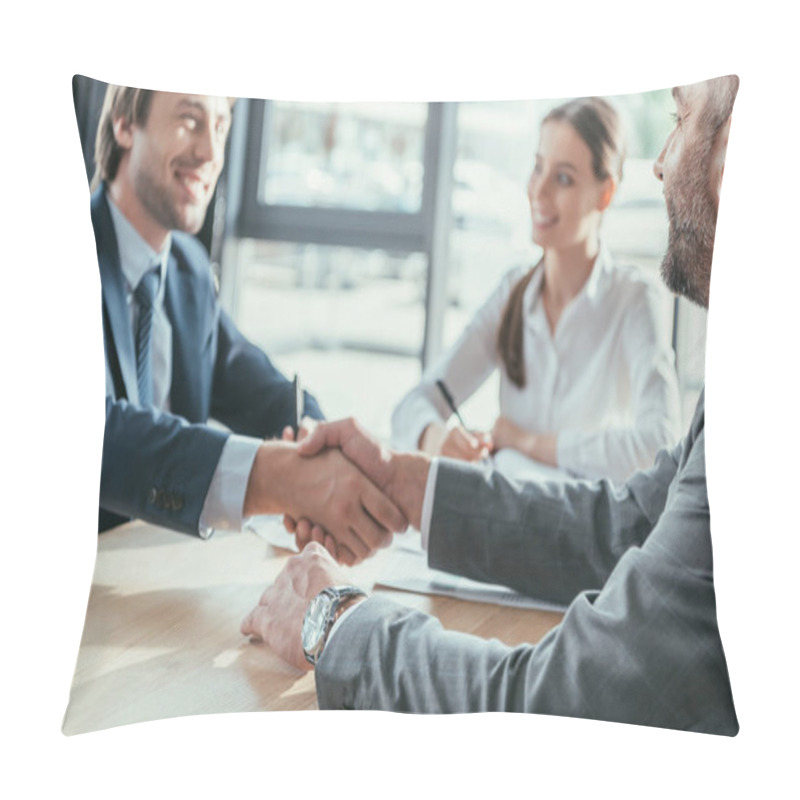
x=692, y=213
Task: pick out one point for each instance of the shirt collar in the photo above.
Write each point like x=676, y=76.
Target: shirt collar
x=535, y=318
x=135, y=255
x=594, y=288
x=597, y=283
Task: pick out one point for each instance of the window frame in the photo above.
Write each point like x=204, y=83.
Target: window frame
x=425, y=231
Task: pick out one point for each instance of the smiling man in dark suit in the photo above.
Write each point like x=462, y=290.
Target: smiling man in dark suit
x=174, y=358
x=639, y=642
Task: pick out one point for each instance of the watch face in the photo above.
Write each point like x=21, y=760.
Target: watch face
x=314, y=622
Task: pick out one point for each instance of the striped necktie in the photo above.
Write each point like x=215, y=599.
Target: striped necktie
x=145, y=295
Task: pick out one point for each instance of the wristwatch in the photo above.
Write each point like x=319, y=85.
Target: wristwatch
x=320, y=616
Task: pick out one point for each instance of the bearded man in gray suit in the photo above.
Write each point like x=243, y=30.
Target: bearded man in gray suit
x=639, y=642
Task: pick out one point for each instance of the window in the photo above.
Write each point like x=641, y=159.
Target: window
x=377, y=229
x=366, y=156
x=491, y=228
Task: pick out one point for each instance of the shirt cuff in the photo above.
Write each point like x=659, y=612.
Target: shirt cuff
x=427, y=502
x=224, y=504
x=410, y=420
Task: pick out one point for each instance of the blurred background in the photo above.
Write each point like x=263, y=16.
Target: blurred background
x=354, y=241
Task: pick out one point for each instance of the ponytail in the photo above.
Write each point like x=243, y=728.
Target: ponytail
x=509, y=336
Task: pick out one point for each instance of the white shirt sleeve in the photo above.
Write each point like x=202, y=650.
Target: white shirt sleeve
x=427, y=503
x=463, y=369
x=224, y=503
x=617, y=452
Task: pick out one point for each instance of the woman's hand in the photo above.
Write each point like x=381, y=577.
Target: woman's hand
x=538, y=446
x=506, y=434
x=456, y=442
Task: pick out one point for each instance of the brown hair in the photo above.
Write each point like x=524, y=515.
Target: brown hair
x=133, y=105
x=597, y=123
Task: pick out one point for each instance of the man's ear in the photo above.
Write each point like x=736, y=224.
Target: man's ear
x=123, y=133
x=607, y=193
x=718, y=151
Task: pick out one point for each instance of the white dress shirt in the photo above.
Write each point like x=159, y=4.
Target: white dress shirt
x=224, y=501
x=604, y=382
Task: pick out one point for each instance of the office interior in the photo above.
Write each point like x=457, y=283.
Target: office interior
x=354, y=241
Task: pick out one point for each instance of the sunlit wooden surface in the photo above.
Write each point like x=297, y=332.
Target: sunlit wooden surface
x=161, y=637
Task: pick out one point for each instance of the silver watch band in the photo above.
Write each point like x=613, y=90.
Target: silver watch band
x=338, y=595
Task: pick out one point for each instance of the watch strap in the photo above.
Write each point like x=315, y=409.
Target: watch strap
x=339, y=596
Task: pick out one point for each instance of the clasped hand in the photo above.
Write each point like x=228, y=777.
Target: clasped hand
x=344, y=507
x=278, y=618
x=347, y=448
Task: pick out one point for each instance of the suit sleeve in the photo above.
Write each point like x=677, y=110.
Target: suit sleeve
x=248, y=393
x=644, y=650
x=545, y=540
x=156, y=466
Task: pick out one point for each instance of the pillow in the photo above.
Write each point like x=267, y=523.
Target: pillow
x=297, y=251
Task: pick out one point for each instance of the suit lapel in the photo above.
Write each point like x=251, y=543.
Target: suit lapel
x=113, y=287
x=188, y=338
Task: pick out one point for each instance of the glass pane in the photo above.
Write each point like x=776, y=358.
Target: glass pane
x=491, y=230
x=349, y=321
x=366, y=156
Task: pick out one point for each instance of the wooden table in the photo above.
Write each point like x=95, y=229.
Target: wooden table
x=162, y=639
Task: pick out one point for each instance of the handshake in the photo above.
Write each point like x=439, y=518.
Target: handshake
x=338, y=486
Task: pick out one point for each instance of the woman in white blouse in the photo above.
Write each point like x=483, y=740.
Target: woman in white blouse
x=587, y=381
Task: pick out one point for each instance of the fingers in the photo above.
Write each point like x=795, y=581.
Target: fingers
x=325, y=434
x=385, y=515
x=256, y=622
x=308, y=533
x=289, y=523
x=307, y=426
x=318, y=534
x=370, y=519
x=358, y=446
x=344, y=502
x=485, y=440
x=330, y=545
x=340, y=552
x=278, y=617
x=303, y=533
x=288, y=434
x=460, y=443
x=351, y=546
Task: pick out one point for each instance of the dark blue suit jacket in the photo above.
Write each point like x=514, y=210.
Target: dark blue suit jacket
x=158, y=466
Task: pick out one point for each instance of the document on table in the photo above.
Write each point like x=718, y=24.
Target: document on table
x=404, y=565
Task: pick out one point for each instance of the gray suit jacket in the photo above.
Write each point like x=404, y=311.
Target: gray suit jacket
x=639, y=642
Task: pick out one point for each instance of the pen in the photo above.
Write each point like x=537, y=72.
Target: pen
x=299, y=404
x=448, y=398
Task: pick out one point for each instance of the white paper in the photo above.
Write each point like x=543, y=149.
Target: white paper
x=404, y=565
